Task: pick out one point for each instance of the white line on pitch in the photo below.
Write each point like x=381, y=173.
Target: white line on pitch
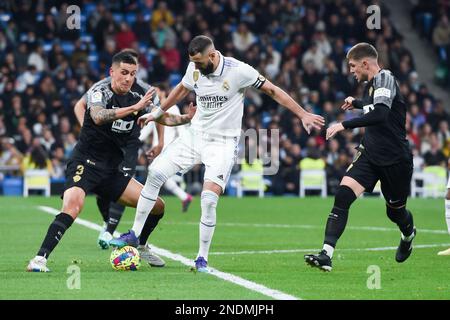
x=417, y=246
x=306, y=226
x=275, y=294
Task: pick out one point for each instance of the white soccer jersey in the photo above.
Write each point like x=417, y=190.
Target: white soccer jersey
x=220, y=95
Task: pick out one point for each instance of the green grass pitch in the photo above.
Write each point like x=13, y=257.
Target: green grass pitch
x=260, y=240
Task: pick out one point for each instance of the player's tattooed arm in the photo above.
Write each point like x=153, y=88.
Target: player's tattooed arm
x=102, y=116
x=171, y=120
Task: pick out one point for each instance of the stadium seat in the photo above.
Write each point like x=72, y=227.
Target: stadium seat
x=36, y=180
x=93, y=61
x=67, y=47
x=130, y=18
x=251, y=178
x=174, y=79
x=89, y=8
x=12, y=186
x=117, y=17
x=431, y=182
x=312, y=176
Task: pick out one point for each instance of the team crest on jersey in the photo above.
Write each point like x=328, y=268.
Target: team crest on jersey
x=96, y=97
x=225, y=85
x=196, y=75
x=76, y=178
x=370, y=91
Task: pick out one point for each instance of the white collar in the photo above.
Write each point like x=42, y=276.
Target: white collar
x=220, y=66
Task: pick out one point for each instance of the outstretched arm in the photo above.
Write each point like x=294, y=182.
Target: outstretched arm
x=101, y=115
x=279, y=95
x=79, y=109
x=377, y=116
x=171, y=120
x=176, y=95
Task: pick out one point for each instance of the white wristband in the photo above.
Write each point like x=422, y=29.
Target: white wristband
x=158, y=112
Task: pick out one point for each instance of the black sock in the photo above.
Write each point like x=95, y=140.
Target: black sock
x=116, y=211
x=403, y=218
x=337, y=220
x=54, y=234
x=149, y=226
x=103, y=206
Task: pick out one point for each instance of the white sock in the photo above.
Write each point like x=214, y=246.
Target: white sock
x=147, y=199
x=173, y=187
x=447, y=214
x=329, y=249
x=207, y=222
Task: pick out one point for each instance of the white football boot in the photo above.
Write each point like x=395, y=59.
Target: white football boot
x=38, y=264
x=152, y=259
x=444, y=252
x=104, y=239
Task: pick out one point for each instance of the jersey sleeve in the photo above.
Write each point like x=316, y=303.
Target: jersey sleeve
x=250, y=77
x=96, y=98
x=188, y=79
x=384, y=89
x=144, y=85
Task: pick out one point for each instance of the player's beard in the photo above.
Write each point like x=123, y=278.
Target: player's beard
x=208, y=69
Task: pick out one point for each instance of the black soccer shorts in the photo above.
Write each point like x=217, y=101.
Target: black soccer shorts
x=129, y=162
x=395, y=179
x=107, y=183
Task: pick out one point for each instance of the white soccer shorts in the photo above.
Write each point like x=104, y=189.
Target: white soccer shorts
x=217, y=153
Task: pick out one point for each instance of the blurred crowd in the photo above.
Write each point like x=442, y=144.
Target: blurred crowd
x=300, y=45
x=431, y=19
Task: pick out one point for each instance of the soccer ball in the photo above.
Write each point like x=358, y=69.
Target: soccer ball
x=126, y=258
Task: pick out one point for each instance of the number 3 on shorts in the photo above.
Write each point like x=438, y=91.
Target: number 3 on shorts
x=78, y=173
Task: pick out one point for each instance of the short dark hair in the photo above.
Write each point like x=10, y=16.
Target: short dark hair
x=362, y=50
x=131, y=52
x=199, y=45
x=124, y=57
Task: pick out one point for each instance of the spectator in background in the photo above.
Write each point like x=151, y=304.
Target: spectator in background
x=170, y=57
x=441, y=39
x=162, y=13
x=435, y=156
x=243, y=38
x=58, y=162
x=38, y=59
x=9, y=154
x=162, y=34
x=314, y=55
x=36, y=158
x=125, y=37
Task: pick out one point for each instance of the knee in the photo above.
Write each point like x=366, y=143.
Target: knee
x=156, y=178
x=345, y=196
x=73, y=203
x=394, y=213
x=209, y=201
x=158, y=209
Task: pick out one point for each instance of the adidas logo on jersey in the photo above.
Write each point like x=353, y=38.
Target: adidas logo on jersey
x=220, y=177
